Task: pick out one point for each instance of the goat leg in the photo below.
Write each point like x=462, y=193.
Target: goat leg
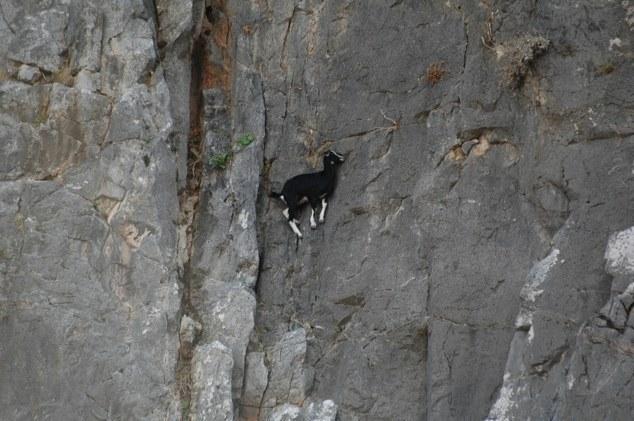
x=322, y=214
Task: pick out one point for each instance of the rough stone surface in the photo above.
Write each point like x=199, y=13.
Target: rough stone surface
x=89, y=277
x=286, y=412
x=562, y=367
x=456, y=183
x=228, y=211
x=175, y=40
x=476, y=257
x=320, y=411
x=225, y=257
x=311, y=411
x=255, y=381
x=619, y=255
x=29, y=74
x=189, y=330
x=211, y=395
x=229, y=319
x=289, y=379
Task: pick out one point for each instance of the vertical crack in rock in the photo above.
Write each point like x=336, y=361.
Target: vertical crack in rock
x=189, y=200
x=210, y=75
x=153, y=9
x=6, y=22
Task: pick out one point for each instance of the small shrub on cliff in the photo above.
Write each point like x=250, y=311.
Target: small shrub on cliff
x=245, y=140
x=219, y=160
x=435, y=72
x=518, y=56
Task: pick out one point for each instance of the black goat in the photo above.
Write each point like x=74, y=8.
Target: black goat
x=311, y=187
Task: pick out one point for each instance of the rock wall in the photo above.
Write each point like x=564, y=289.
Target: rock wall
x=476, y=257
x=89, y=291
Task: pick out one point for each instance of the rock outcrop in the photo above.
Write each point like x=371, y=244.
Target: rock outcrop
x=89, y=284
x=477, y=257
x=212, y=368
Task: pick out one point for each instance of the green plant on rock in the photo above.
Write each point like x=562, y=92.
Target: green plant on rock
x=245, y=140
x=220, y=160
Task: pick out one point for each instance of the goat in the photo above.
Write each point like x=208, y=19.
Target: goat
x=311, y=187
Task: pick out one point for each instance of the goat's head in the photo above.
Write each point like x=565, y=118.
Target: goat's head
x=333, y=158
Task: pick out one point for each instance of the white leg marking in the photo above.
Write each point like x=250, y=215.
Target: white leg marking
x=285, y=213
x=294, y=228
x=322, y=214
x=313, y=224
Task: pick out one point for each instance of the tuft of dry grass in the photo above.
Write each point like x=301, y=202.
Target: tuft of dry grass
x=315, y=155
x=435, y=72
x=488, y=35
x=518, y=57
x=605, y=69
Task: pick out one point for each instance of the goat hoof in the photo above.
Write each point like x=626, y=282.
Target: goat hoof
x=313, y=227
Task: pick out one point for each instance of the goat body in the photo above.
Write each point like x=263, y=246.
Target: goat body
x=313, y=187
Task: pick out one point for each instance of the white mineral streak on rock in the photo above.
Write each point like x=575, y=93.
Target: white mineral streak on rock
x=619, y=254
x=537, y=276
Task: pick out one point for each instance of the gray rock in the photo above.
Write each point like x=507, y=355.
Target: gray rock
x=311, y=411
x=124, y=355
x=39, y=36
x=619, y=255
x=320, y=411
x=88, y=255
x=228, y=318
x=87, y=81
x=29, y=74
x=289, y=381
x=229, y=198
x=60, y=127
x=225, y=257
x=189, y=330
x=627, y=297
x=129, y=56
x=286, y=412
x=416, y=277
x=178, y=78
x=176, y=19
x=211, y=383
x=461, y=272
x=590, y=376
x=255, y=383
x=616, y=312
x=561, y=361
x=85, y=33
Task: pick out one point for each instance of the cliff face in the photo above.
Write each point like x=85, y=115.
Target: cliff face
x=477, y=258
x=89, y=294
